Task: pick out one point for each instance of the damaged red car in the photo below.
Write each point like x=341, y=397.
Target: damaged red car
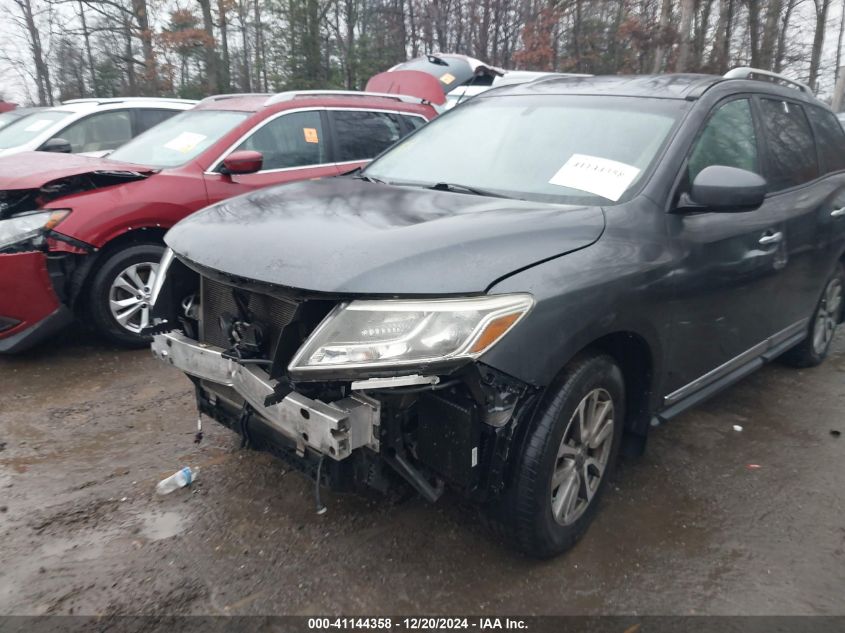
x=82, y=237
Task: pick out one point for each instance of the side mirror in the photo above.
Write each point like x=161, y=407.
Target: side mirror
x=57, y=146
x=242, y=162
x=724, y=189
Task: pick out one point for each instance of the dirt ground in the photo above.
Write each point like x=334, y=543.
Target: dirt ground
x=693, y=527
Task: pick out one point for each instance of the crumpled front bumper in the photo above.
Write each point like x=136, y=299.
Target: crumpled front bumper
x=28, y=300
x=333, y=429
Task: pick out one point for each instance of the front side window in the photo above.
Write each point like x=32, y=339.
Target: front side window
x=830, y=138
x=290, y=140
x=28, y=128
x=362, y=135
x=551, y=148
x=180, y=138
x=98, y=132
x=792, y=152
x=727, y=139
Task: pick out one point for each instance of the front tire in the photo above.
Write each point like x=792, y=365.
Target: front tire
x=569, y=454
x=120, y=294
x=828, y=315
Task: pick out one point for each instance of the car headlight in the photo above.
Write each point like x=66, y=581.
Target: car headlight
x=395, y=333
x=23, y=227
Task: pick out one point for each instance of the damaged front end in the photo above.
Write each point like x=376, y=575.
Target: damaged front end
x=355, y=392
x=40, y=267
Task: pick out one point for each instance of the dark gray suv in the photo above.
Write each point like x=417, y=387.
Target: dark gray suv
x=506, y=299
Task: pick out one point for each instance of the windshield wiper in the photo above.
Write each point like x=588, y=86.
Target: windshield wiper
x=358, y=174
x=449, y=186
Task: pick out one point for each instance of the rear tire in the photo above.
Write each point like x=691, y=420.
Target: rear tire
x=569, y=454
x=828, y=315
x=119, y=297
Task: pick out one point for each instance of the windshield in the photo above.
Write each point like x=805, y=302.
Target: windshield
x=179, y=139
x=29, y=127
x=552, y=148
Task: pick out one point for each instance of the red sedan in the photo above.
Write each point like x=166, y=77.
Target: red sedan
x=82, y=237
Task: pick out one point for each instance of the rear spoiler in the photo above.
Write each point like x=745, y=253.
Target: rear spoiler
x=414, y=83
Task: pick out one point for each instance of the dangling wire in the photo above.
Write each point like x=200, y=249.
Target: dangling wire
x=321, y=509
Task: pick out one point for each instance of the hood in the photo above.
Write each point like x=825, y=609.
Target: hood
x=30, y=180
x=32, y=170
x=344, y=235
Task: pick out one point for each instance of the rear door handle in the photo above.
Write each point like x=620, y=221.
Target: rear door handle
x=837, y=213
x=771, y=238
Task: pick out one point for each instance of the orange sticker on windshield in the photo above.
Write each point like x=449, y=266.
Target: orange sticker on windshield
x=311, y=135
x=447, y=78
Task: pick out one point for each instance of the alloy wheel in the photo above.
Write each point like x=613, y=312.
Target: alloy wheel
x=129, y=296
x=582, y=456
x=828, y=315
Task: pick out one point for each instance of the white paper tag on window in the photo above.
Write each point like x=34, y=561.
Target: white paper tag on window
x=601, y=176
x=185, y=142
x=37, y=126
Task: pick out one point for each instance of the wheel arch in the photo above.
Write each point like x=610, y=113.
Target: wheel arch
x=85, y=273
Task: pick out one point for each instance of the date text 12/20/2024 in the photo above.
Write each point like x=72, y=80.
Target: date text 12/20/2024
x=417, y=624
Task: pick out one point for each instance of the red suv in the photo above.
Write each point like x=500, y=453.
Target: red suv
x=83, y=236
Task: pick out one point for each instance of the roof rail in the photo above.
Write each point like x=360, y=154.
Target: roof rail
x=293, y=94
x=122, y=99
x=234, y=95
x=746, y=72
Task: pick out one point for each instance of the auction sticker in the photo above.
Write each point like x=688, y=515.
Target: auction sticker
x=447, y=78
x=601, y=176
x=185, y=142
x=311, y=135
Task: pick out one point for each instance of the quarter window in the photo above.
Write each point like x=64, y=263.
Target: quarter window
x=830, y=138
x=792, y=152
x=291, y=140
x=99, y=132
x=145, y=118
x=728, y=139
x=362, y=135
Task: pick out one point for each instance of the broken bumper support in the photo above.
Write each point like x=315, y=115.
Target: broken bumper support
x=334, y=429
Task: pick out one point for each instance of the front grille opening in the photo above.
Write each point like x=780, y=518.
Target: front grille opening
x=216, y=299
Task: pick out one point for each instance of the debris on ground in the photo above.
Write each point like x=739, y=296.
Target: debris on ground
x=179, y=479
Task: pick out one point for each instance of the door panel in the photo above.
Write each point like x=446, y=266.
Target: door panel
x=730, y=263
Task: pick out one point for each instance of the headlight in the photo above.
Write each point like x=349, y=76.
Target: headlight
x=395, y=333
x=24, y=227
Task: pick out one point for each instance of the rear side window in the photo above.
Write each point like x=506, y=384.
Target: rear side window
x=99, y=132
x=147, y=117
x=792, y=152
x=291, y=140
x=728, y=139
x=362, y=135
x=830, y=138
x=413, y=122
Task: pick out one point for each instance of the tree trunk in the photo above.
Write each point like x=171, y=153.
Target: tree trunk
x=780, y=53
x=224, y=73
x=818, y=41
x=86, y=37
x=662, y=28
x=42, y=70
x=682, y=63
x=211, y=79
x=770, y=34
x=139, y=10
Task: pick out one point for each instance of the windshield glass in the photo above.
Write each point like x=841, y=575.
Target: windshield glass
x=179, y=139
x=552, y=148
x=27, y=128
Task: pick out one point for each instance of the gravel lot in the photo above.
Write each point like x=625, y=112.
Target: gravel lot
x=87, y=430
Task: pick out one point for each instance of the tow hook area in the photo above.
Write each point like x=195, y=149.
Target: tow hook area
x=334, y=429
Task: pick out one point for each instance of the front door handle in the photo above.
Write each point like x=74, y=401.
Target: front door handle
x=771, y=238
x=837, y=213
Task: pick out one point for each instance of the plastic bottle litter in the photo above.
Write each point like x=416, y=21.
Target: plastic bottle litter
x=179, y=479
x=737, y=428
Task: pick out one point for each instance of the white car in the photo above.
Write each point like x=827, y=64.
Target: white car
x=90, y=126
